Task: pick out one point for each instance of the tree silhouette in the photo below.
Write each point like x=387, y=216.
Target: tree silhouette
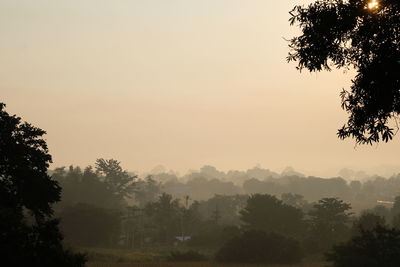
x=329, y=218
x=367, y=222
x=373, y=248
x=165, y=216
x=85, y=187
x=267, y=213
x=358, y=34
x=256, y=246
x=118, y=180
x=29, y=236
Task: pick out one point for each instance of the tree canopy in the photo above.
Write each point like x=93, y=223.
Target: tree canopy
x=377, y=247
x=24, y=160
x=91, y=187
x=329, y=218
x=363, y=35
x=118, y=180
x=269, y=214
x=256, y=246
x=29, y=234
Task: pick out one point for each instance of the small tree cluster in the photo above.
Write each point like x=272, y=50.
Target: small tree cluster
x=256, y=246
x=376, y=247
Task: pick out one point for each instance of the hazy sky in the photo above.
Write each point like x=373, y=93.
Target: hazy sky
x=180, y=83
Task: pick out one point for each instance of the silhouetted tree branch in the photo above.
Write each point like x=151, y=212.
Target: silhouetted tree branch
x=355, y=34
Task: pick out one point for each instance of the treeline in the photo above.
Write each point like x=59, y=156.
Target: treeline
x=209, y=181
x=106, y=206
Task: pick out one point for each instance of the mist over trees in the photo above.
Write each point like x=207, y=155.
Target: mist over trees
x=106, y=206
x=213, y=210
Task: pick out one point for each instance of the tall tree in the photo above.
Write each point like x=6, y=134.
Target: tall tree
x=147, y=190
x=165, y=216
x=267, y=213
x=329, y=223
x=118, y=180
x=29, y=233
x=359, y=34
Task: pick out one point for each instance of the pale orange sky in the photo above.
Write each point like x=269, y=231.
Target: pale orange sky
x=179, y=83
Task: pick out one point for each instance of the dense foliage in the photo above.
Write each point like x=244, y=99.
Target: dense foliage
x=367, y=222
x=161, y=208
x=161, y=212
x=107, y=185
x=29, y=233
x=371, y=248
x=87, y=225
x=256, y=246
x=330, y=219
x=267, y=213
x=359, y=34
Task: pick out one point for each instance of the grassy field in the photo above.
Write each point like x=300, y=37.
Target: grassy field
x=156, y=258
x=192, y=264
x=119, y=255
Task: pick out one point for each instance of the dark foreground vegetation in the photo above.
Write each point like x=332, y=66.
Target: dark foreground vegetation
x=29, y=234
x=255, y=246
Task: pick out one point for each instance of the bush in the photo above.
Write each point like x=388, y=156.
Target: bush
x=371, y=248
x=189, y=255
x=89, y=226
x=259, y=247
x=212, y=235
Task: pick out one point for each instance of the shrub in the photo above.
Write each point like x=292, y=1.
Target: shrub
x=189, y=255
x=371, y=248
x=259, y=247
x=88, y=225
x=212, y=235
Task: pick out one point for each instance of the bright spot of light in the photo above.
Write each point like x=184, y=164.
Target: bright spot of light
x=373, y=4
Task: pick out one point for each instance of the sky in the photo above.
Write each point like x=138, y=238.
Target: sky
x=178, y=83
